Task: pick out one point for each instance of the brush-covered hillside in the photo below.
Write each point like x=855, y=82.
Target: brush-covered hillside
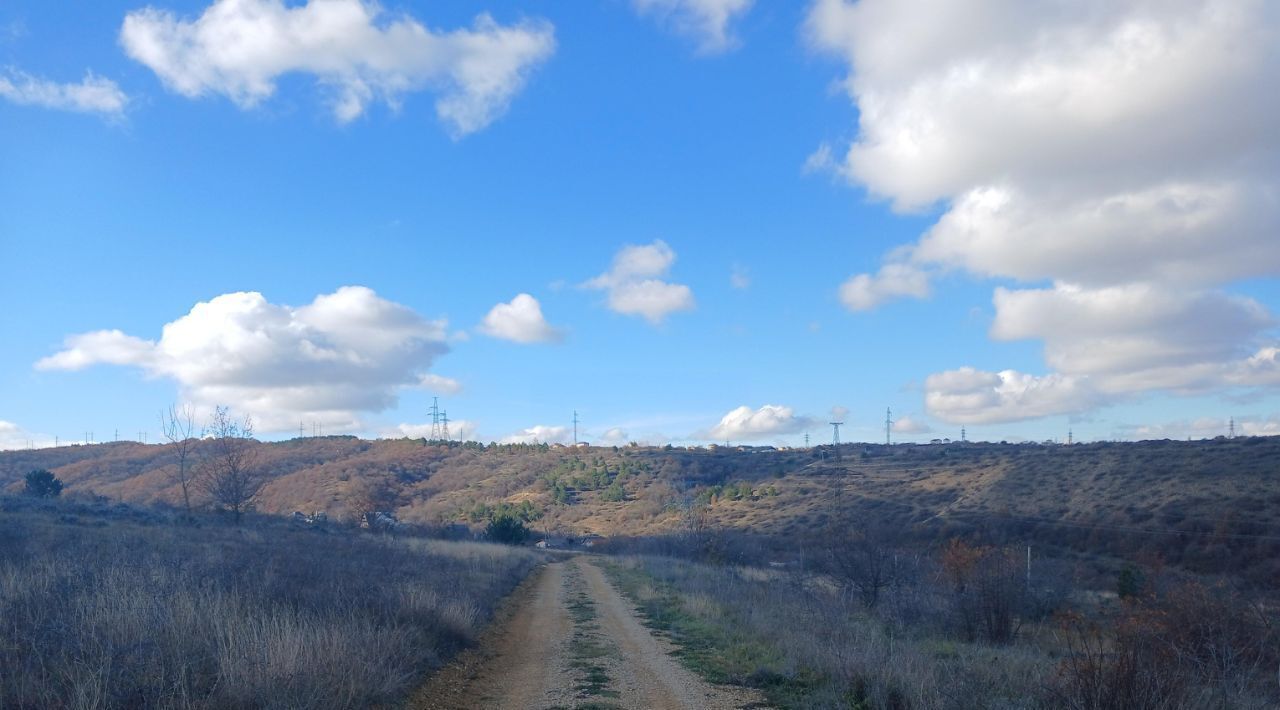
x=1211, y=505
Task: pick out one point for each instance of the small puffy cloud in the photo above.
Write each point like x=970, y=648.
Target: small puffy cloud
x=93, y=94
x=864, y=292
x=615, y=436
x=520, y=321
x=706, y=21
x=439, y=384
x=345, y=353
x=1203, y=428
x=747, y=424
x=839, y=413
x=635, y=287
x=820, y=160
x=13, y=437
x=1269, y=426
x=540, y=434
x=910, y=424
x=740, y=277
x=970, y=396
x=356, y=51
x=459, y=430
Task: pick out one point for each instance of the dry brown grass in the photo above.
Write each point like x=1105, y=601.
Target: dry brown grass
x=96, y=612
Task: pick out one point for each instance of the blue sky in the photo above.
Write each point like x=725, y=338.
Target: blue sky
x=805, y=259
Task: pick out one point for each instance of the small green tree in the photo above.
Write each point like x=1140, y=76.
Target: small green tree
x=507, y=529
x=43, y=484
x=1129, y=582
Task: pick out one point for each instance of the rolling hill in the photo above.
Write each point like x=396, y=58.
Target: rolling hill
x=1207, y=505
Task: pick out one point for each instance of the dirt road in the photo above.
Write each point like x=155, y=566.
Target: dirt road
x=571, y=640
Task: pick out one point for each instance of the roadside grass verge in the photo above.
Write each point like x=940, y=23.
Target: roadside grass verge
x=804, y=647
x=111, y=613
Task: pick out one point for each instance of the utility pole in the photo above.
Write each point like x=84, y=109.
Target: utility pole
x=806, y=440
x=1231, y=430
x=835, y=433
x=435, y=418
x=575, y=427
x=888, y=425
x=444, y=425
x=962, y=434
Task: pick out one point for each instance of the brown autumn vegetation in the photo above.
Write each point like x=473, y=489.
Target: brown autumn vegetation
x=1206, y=506
x=957, y=626
x=108, y=606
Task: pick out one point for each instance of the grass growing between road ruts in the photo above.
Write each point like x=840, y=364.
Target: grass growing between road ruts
x=588, y=646
x=99, y=612
x=805, y=647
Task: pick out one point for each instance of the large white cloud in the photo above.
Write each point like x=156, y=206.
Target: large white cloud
x=520, y=321
x=93, y=94
x=345, y=353
x=1125, y=151
x=356, y=51
x=635, y=284
x=747, y=424
x=970, y=396
x=706, y=21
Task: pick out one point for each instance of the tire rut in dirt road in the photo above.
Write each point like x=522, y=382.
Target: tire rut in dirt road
x=572, y=641
x=519, y=665
x=646, y=675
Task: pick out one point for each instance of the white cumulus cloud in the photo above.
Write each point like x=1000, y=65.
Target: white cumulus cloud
x=706, y=21
x=14, y=437
x=93, y=94
x=459, y=430
x=863, y=292
x=354, y=49
x=747, y=424
x=910, y=424
x=970, y=396
x=540, y=434
x=439, y=384
x=344, y=353
x=1125, y=151
x=635, y=284
x=520, y=321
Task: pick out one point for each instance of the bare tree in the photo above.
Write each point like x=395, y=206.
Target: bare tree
x=229, y=476
x=863, y=561
x=367, y=495
x=179, y=427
